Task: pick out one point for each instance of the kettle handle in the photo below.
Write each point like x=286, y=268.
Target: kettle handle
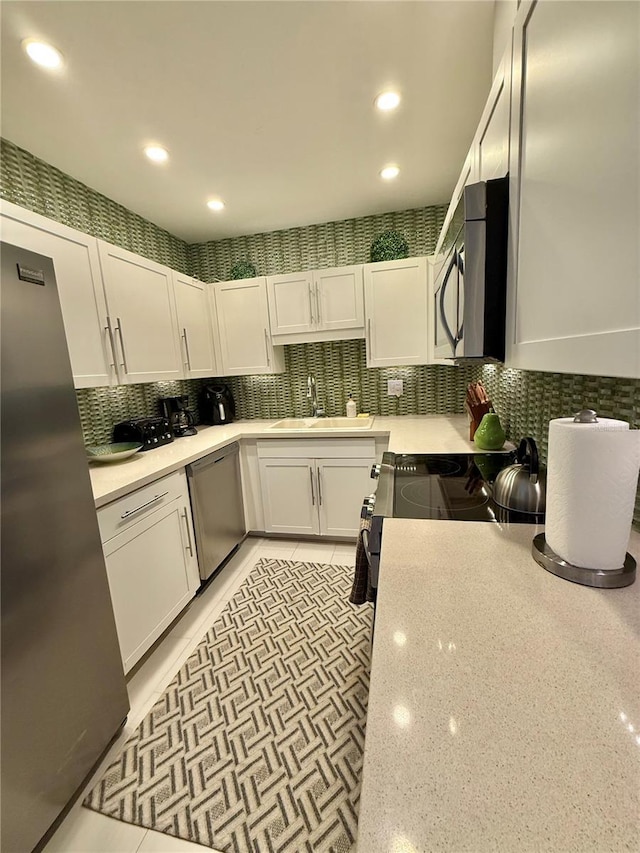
x=528, y=453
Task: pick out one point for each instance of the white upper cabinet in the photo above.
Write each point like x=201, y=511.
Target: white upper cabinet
x=339, y=298
x=142, y=316
x=194, y=326
x=491, y=142
x=79, y=280
x=242, y=316
x=292, y=303
x=574, y=277
x=319, y=305
x=396, y=308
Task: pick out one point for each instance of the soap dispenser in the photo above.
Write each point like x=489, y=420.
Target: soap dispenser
x=352, y=409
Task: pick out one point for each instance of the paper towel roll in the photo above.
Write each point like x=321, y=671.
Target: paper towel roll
x=592, y=477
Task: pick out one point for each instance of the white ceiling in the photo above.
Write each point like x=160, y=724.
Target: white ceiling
x=268, y=105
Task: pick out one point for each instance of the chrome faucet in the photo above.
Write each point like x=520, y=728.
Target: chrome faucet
x=312, y=395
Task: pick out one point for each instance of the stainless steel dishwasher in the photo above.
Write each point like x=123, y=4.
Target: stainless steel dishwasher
x=216, y=499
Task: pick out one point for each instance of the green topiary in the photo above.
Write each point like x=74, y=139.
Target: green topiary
x=389, y=246
x=243, y=269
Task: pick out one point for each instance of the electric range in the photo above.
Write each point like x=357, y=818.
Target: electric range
x=441, y=486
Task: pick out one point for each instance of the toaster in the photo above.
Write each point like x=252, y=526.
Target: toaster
x=149, y=432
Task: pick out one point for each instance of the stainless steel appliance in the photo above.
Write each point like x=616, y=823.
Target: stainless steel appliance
x=63, y=690
x=216, y=499
x=217, y=405
x=176, y=411
x=523, y=485
x=446, y=486
x=149, y=432
x=470, y=291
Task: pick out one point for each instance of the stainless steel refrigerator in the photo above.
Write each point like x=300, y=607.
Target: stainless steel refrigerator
x=63, y=690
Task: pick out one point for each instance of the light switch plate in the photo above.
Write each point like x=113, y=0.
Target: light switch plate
x=394, y=387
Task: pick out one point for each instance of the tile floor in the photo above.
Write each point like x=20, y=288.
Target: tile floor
x=84, y=831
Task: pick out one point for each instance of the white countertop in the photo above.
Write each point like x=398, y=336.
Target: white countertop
x=416, y=433
x=504, y=706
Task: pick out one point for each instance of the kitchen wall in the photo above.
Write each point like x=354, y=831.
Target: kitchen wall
x=525, y=400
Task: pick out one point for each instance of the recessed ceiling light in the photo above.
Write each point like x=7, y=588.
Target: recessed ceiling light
x=42, y=54
x=157, y=153
x=215, y=204
x=387, y=101
x=389, y=173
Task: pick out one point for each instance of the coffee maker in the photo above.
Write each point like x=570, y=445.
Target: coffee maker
x=176, y=410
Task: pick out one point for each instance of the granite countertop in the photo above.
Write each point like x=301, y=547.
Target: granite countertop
x=410, y=434
x=504, y=707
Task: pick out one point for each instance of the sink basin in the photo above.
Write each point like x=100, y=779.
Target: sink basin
x=323, y=423
x=342, y=423
x=293, y=423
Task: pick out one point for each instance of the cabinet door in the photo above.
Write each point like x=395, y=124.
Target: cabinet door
x=492, y=138
x=292, y=303
x=79, y=280
x=396, y=306
x=243, y=328
x=574, y=300
x=195, y=327
x=289, y=495
x=142, y=308
x=150, y=568
x=342, y=486
x=339, y=297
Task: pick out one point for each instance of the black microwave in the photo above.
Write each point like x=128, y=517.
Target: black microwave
x=470, y=287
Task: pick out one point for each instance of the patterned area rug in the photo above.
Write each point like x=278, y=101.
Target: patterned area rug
x=257, y=743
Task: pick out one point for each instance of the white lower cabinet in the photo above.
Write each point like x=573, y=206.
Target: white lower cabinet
x=311, y=489
x=149, y=550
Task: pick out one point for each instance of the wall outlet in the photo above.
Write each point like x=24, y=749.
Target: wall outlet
x=394, y=387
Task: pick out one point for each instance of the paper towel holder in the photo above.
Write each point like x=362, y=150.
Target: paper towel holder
x=600, y=578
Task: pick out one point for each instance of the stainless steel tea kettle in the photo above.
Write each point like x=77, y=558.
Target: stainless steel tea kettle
x=522, y=487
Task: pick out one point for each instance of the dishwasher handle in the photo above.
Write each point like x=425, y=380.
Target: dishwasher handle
x=214, y=458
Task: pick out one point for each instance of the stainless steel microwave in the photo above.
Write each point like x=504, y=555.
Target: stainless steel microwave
x=470, y=288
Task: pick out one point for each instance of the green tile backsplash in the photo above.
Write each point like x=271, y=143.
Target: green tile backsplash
x=525, y=400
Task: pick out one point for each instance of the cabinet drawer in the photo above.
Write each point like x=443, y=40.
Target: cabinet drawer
x=125, y=512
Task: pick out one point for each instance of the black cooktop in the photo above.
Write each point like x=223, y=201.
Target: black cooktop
x=455, y=486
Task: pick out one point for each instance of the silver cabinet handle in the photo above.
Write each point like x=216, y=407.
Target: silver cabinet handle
x=112, y=348
x=119, y=330
x=186, y=524
x=311, y=305
x=186, y=348
x=313, y=494
x=319, y=489
x=142, y=506
x=318, y=312
x=267, y=347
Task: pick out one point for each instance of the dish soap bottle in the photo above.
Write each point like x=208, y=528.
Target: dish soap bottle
x=352, y=409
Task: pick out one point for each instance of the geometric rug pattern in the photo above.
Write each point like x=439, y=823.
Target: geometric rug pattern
x=257, y=743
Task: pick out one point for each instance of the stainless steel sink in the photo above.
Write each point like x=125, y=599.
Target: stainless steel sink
x=323, y=423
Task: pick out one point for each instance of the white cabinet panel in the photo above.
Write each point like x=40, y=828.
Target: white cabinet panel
x=339, y=297
x=342, y=486
x=194, y=326
x=141, y=305
x=314, y=494
x=492, y=138
x=574, y=268
x=243, y=328
x=152, y=567
x=292, y=303
x=320, y=305
x=79, y=279
x=396, y=306
x=289, y=495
